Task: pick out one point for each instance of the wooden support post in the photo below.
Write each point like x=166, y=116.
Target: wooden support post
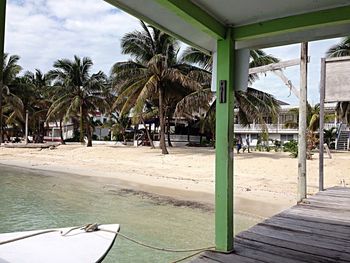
x=302, y=191
x=26, y=128
x=224, y=145
x=321, y=135
x=2, y=44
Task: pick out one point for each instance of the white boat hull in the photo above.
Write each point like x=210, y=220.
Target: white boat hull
x=77, y=246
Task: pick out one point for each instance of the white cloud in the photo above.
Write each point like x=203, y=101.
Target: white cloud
x=42, y=31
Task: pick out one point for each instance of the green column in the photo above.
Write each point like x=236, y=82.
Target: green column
x=2, y=43
x=224, y=147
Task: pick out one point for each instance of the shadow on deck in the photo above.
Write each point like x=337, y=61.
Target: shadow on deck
x=318, y=230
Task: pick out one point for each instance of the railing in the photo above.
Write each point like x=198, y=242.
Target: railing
x=272, y=128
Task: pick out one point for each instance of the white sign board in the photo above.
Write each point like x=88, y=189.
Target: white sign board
x=337, y=79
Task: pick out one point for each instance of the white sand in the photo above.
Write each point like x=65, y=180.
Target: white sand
x=264, y=182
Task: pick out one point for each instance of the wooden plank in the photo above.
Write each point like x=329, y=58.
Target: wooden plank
x=341, y=188
x=343, y=205
x=334, y=194
x=275, y=66
x=318, y=213
x=299, y=238
x=307, y=218
x=332, y=199
x=261, y=256
x=286, y=252
x=295, y=245
x=334, y=228
x=316, y=231
x=328, y=205
x=232, y=257
x=313, y=228
x=337, y=189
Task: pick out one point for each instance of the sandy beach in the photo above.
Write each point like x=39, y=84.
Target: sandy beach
x=262, y=179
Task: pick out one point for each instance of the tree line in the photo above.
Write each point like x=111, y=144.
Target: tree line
x=156, y=82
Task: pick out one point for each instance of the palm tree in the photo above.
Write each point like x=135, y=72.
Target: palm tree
x=77, y=92
x=340, y=50
x=32, y=89
x=313, y=124
x=253, y=104
x=153, y=75
x=10, y=71
x=330, y=136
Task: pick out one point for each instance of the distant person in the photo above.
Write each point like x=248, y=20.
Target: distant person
x=239, y=143
x=246, y=145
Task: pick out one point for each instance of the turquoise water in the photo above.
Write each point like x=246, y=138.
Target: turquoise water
x=31, y=199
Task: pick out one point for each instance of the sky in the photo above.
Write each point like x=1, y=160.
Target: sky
x=42, y=31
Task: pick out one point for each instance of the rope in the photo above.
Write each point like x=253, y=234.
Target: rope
x=190, y=256
x=157, y=248
x=27, y=236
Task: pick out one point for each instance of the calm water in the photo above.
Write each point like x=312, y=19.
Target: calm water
x=31, y=199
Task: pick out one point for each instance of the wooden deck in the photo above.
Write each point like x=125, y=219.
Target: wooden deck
x=317, y=230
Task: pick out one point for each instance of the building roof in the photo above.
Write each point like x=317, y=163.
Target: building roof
x=256, y=23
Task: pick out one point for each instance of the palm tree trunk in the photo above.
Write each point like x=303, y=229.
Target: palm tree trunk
x=61, y=133
x=168, y=132
x=89, y=135
x=81, y=139
x=162, y=123
x=147, y=132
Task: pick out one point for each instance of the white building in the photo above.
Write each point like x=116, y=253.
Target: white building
x=278, y=130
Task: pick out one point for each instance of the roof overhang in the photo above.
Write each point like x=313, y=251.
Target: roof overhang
x=256, y=23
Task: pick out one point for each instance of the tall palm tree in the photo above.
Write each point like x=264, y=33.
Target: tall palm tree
x=32, y=89
x=77, y=92
x=11, y=69
x=340, y=50
x=253, y=104
x=153, y=75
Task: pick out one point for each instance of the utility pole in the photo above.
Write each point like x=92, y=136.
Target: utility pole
x=2, y=43
x=302, y=143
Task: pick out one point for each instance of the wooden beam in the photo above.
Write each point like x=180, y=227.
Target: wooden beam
x=321, y=134
x=275, y=66
x=195, y=16
x=285, y=25
x=302, y=143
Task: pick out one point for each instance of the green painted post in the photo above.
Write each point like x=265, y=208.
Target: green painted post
x=2, y=44
x=224, y=146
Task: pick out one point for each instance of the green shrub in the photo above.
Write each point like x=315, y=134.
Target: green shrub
x=291, y=147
